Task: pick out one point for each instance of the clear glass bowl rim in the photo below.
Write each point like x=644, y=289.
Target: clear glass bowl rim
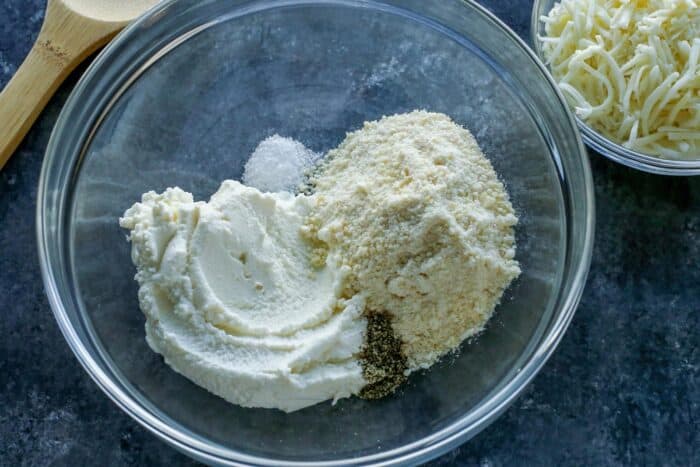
x=605, y=146
x=416, y=452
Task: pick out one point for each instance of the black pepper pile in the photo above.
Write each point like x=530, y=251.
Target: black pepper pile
x=384, y=364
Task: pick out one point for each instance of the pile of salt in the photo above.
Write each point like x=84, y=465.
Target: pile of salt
x=278, y=164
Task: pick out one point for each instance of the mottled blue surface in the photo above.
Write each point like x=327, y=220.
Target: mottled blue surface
x=623, y=387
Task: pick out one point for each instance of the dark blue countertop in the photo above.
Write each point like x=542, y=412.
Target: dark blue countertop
x=623, y=388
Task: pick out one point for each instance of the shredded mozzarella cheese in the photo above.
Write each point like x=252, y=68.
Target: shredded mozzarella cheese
x=630, y=69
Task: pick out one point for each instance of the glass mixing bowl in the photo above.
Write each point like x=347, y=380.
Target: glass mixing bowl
x=182, y=97
x=600, y=143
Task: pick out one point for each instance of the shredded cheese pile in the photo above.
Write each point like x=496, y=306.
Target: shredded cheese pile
x=630, y=69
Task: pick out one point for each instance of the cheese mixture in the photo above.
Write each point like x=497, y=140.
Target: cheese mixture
x=631, y=69
x=400, y=247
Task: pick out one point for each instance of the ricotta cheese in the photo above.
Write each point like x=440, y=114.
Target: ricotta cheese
x=233, y=304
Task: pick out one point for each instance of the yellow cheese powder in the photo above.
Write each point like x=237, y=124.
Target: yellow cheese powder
x=415, y=213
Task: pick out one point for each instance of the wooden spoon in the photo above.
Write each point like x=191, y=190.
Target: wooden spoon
x=72, y=30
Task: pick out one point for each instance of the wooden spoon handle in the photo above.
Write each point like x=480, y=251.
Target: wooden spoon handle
x=27, y=93
x=66, y=38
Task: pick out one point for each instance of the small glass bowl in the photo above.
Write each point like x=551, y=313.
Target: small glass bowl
x=184, y=94
x=600, y=143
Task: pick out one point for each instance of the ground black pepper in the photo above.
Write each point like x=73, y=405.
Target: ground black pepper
x=383, y=362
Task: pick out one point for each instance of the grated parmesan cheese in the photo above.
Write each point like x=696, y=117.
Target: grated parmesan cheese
x=416, y=215
x=630, y=69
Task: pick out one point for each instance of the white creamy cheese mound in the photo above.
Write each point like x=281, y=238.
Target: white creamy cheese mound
x=233, y=303
x=631, y=70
